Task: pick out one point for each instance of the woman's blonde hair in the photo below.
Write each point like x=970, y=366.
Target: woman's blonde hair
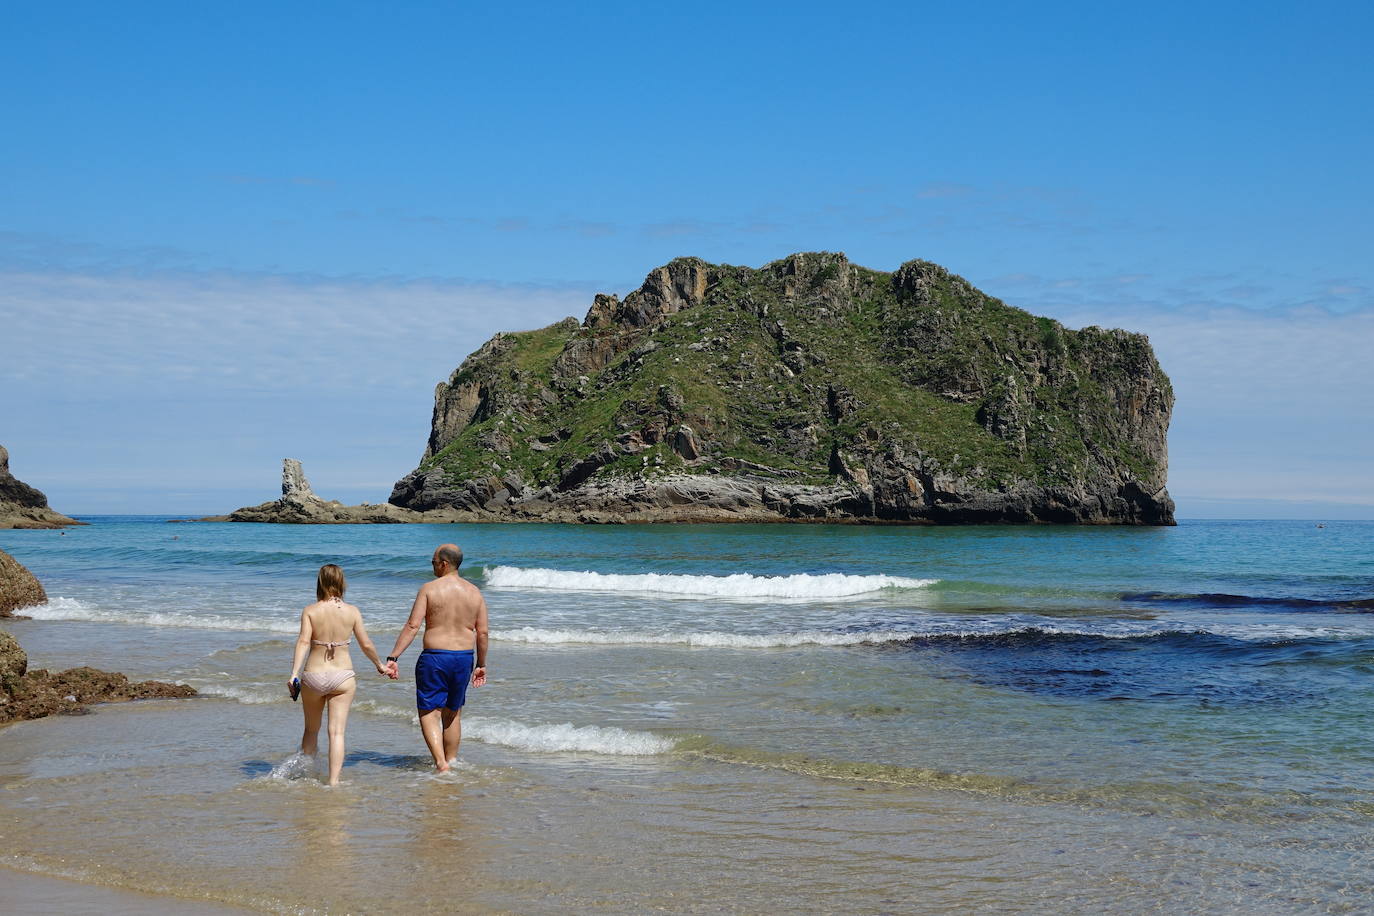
x=330, y=582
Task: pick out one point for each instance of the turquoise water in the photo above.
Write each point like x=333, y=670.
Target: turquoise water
x=1209, y=681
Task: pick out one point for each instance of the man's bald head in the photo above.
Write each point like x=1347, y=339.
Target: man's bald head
x=451, y=554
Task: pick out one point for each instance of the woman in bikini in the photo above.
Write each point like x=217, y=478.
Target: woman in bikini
x=328, y=677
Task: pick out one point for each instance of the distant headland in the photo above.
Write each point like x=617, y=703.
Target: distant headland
x=22, y=506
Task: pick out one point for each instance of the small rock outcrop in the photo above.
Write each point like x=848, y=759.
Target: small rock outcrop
x=299, y=505
x=34, y=694
x=21, y=506
x=810, y=389
x=19, y=588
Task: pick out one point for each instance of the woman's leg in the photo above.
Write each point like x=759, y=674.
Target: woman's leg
x=339, y=704
x=312, y=704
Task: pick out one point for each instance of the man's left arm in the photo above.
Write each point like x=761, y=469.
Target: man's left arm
x=479, y=671
x=407, y=634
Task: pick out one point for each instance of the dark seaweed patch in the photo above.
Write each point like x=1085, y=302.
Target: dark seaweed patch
x=1200, y=669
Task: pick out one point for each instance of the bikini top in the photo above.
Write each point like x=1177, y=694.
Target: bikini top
x=329, y=647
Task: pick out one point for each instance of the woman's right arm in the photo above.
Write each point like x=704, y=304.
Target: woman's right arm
x=364, y=643
x=302, y=648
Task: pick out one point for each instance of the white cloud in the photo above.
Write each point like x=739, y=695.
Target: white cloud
x=120, y=388
x=184, y=377
x=1270, y=403
x=255, y=332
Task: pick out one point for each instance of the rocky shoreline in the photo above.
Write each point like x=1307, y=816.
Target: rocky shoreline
x=757, y=499
x=33, y=694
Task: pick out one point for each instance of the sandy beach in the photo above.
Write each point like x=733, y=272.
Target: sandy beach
x=29, y=892
x=945, y=720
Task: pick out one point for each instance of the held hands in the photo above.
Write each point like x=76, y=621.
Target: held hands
x=391, y=670
x=479, y=676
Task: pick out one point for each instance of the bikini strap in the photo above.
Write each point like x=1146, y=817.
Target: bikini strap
x=328, y=647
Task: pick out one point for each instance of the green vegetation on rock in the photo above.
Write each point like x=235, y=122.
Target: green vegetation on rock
x=907, y=396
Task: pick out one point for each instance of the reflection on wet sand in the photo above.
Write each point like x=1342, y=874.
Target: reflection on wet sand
x=322, y=828
x=160, y=808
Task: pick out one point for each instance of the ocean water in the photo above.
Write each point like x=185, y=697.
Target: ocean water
x=726, y=719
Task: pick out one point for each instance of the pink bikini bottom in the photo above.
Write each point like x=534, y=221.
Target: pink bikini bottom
x=325, y=681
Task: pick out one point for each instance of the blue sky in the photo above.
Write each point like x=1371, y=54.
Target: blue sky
x=237, y=234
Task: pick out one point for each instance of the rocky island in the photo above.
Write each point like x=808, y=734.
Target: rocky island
x=810, y=389
x=21, y=506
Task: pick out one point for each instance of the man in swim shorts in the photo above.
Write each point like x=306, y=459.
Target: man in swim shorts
x=453, y=615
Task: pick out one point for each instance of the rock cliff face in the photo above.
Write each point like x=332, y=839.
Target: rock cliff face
x=21, y=506
x=808, y=389
x=299, y=505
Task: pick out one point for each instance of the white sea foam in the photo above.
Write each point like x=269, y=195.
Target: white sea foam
x=710, y=640
x=1265, y=632
x=72, y=609
x=717, y=640
x=249, y=696
x=961, y=626
x=739, y=585
x=297, y=766
x=593, y=739
x=551, y=739
x=947, y=629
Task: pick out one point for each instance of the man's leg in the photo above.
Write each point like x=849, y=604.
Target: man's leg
x=453, y=732
x=431, y=728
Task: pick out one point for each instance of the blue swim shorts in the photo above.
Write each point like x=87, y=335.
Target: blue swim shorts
x=442, y=677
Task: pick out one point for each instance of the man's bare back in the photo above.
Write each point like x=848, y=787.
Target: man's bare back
x=453, y=616
x=451, y=612
x=450, y=607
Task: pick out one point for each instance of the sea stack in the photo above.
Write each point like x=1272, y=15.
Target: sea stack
x=21, y=506
x=810, y=389
x=299, y=505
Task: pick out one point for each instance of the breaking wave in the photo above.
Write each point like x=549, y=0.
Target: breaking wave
x=536, y=636
x=740, y=585
x=593, y=739
x=548, y=739
x=72, y=609
x=934, y=627
x=249, y=696
x=992, y=631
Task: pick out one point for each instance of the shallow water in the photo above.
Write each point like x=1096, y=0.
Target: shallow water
x=728, y=718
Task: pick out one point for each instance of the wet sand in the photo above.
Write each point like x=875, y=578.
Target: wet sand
x=26, y=892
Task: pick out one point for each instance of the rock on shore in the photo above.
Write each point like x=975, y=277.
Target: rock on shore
x=810, y=389
x=26, y=694
x=19, y=588
x=299, y=505
x=34, y=694
x=22, y=506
